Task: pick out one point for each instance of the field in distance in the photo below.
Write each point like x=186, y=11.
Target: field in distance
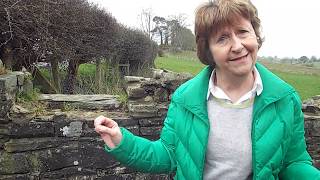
x=306, y=80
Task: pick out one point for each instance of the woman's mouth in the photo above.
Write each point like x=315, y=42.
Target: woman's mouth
x=239, y=58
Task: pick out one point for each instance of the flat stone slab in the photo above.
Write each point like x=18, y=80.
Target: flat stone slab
x=90, y=102
x=312, y=105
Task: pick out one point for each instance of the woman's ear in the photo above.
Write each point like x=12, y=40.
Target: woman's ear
x=259, y=41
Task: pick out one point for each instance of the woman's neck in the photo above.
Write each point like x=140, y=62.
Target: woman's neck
x=234, y=86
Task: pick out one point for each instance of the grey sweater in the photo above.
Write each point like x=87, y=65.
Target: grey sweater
x=229, y=150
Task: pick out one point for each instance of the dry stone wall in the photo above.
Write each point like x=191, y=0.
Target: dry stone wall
x=311, y=109
x=63, y=145
x=11, y=84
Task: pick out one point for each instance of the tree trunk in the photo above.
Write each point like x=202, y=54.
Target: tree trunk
x=166, y=42
x=161, y=38
x=98, y=76
x=55, y=74
x=42, y=82
x=7, y=57
x=70, y=80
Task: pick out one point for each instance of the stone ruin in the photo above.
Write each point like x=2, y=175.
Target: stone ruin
x=60, y=142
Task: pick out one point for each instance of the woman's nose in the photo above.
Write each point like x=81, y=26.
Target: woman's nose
x=236, y=44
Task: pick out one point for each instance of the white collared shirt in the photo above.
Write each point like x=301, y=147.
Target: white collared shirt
x=220, y=94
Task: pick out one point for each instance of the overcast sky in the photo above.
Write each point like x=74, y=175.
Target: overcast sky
x=291, y=27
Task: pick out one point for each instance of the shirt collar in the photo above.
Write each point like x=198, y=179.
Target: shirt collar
x=218, y=92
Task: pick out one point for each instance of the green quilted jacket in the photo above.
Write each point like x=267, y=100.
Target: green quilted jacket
x=278, y=144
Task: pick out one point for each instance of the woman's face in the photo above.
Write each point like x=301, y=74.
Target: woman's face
x=234, y=48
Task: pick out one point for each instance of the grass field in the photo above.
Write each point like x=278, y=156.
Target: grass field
x=179, y=64
x=305, y=80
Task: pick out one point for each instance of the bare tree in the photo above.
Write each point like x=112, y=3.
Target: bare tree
x=146, y=21
x=176, y=25
x=54, y=31
x=72, y=31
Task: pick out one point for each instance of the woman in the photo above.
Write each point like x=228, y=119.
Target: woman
x=234, y=120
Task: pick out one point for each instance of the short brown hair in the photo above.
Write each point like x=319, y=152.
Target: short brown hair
x=214, y=14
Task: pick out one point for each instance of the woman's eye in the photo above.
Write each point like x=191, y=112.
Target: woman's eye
x=222, y=39
x=244, y=31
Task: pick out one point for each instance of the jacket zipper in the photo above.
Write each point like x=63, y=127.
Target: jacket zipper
x=254, y=170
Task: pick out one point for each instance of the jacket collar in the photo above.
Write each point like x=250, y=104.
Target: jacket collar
x=192, y=94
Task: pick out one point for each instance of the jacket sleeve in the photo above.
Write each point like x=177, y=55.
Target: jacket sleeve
x=297, y=162
x=145, y=155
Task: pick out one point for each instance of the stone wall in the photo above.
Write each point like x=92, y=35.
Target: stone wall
x=59, y=144
x=63, y=145
x=11, y=84
x=311, y=109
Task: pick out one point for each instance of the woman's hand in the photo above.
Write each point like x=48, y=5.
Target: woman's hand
x=108, y=130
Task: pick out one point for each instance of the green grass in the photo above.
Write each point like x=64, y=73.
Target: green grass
x=179, y=63
x=85, y=82
x=87, y=69
x=46, y=73
x=84, y=70
x=306, y=85
x=305, y=80
x=316, y=64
